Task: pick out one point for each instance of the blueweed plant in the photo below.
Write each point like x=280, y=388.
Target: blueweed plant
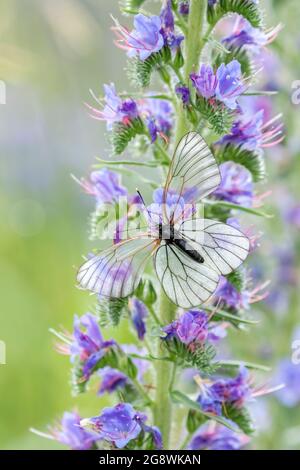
x=172, y=388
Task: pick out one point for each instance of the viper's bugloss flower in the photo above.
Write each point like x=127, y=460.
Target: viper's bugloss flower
x=111, y=380
x=244, y=35
x=193, y=329
x=230, y=83
x=105, y=186
x=144, y=39
x=184, y=8
x=217, y=437
x=288, y=374
x=139, y=313
x=205, y=81
x=253, y=133
x=292, y=215
x=226, y=85
x=120, y=425
x=235, y=391
x=115, y=109
x=70, y=433
x=168, y=26
x=158, y=115
x=181, y=207
x=88, y=344
x=184, y=93
x=236, y=184
x=229, y=297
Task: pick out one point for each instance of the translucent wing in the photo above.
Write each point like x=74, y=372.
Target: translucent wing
x=185, y=281
x=193, y=171
x=116, y=272
x=224, y=248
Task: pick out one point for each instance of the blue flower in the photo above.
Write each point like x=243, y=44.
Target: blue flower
x=184, y=7
x=158, y=115
x=88, y=344
x=216, y=437
x=288, y=374
x=205, y=81
x=139, y=313
x=120, y=425
x=184, y=93
x=168, y=26
x=230, y=84
x=144, y=39
x=236, y=185
x=105, y=186
x=254, y=38
x=115, y=109
x=190, y=328
x=111, y=380
x=230, y=298
x=71, y=434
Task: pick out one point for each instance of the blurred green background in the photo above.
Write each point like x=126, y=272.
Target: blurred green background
x=51, y=53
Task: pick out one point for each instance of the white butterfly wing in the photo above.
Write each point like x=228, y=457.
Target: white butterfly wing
x=224, y=248
x=193, y=171
x=116, y=272
x=186, y=282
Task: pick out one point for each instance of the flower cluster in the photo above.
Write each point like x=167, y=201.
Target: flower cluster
x=210, y=92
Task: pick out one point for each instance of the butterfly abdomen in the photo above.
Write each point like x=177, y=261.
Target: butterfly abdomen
x=184, y=246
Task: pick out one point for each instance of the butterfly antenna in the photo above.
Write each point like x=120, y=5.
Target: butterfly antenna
x=144, y=204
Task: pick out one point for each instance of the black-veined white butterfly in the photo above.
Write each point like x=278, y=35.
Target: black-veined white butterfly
x=189, y=255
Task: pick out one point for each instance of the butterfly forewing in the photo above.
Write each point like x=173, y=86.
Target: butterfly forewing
x=223, y=247
x=193, y=172
x=116, y=272
x=186, y=282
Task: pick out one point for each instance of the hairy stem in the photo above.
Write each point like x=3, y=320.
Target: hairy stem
x=193, y=46
x=163, y=406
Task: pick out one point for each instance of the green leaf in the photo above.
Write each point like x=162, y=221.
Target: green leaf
x=234, y=319
x=237, y=279
x=237, y=207
x=130, y=7
x=245, y=8
x=139, y=71
x=122, y=134
x=253, y=161
x=249, y=365
x=240, y=416
x=201, y=358
x=216, y=114
x=179, y=397
x=110, y=311
x=239, y=54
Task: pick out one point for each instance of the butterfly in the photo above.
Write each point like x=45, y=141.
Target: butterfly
x=190, y=254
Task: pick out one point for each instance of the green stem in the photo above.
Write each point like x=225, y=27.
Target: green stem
x=164, y=369
x=193, y=47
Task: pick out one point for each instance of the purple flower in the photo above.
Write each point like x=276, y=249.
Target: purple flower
x=144, y=40
x=292, y=215
x=184, y=93
x=252, y=133
x=288, y=374
x=88, y=345
x=184, y=8
x=120, y=425
x=230, y=297
x=230, y=84
x=159, y=117
x=216, y=437
x=231, y=391
x=190, y=328
x=211, y=3
x=245, y=35
x=236, y=184
x=168, y=26
x=180, y=207
x=71, y=434
x=205, y=81
x=105, y=186
x=111, y=380
x=114, y=110
x=139, y=313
